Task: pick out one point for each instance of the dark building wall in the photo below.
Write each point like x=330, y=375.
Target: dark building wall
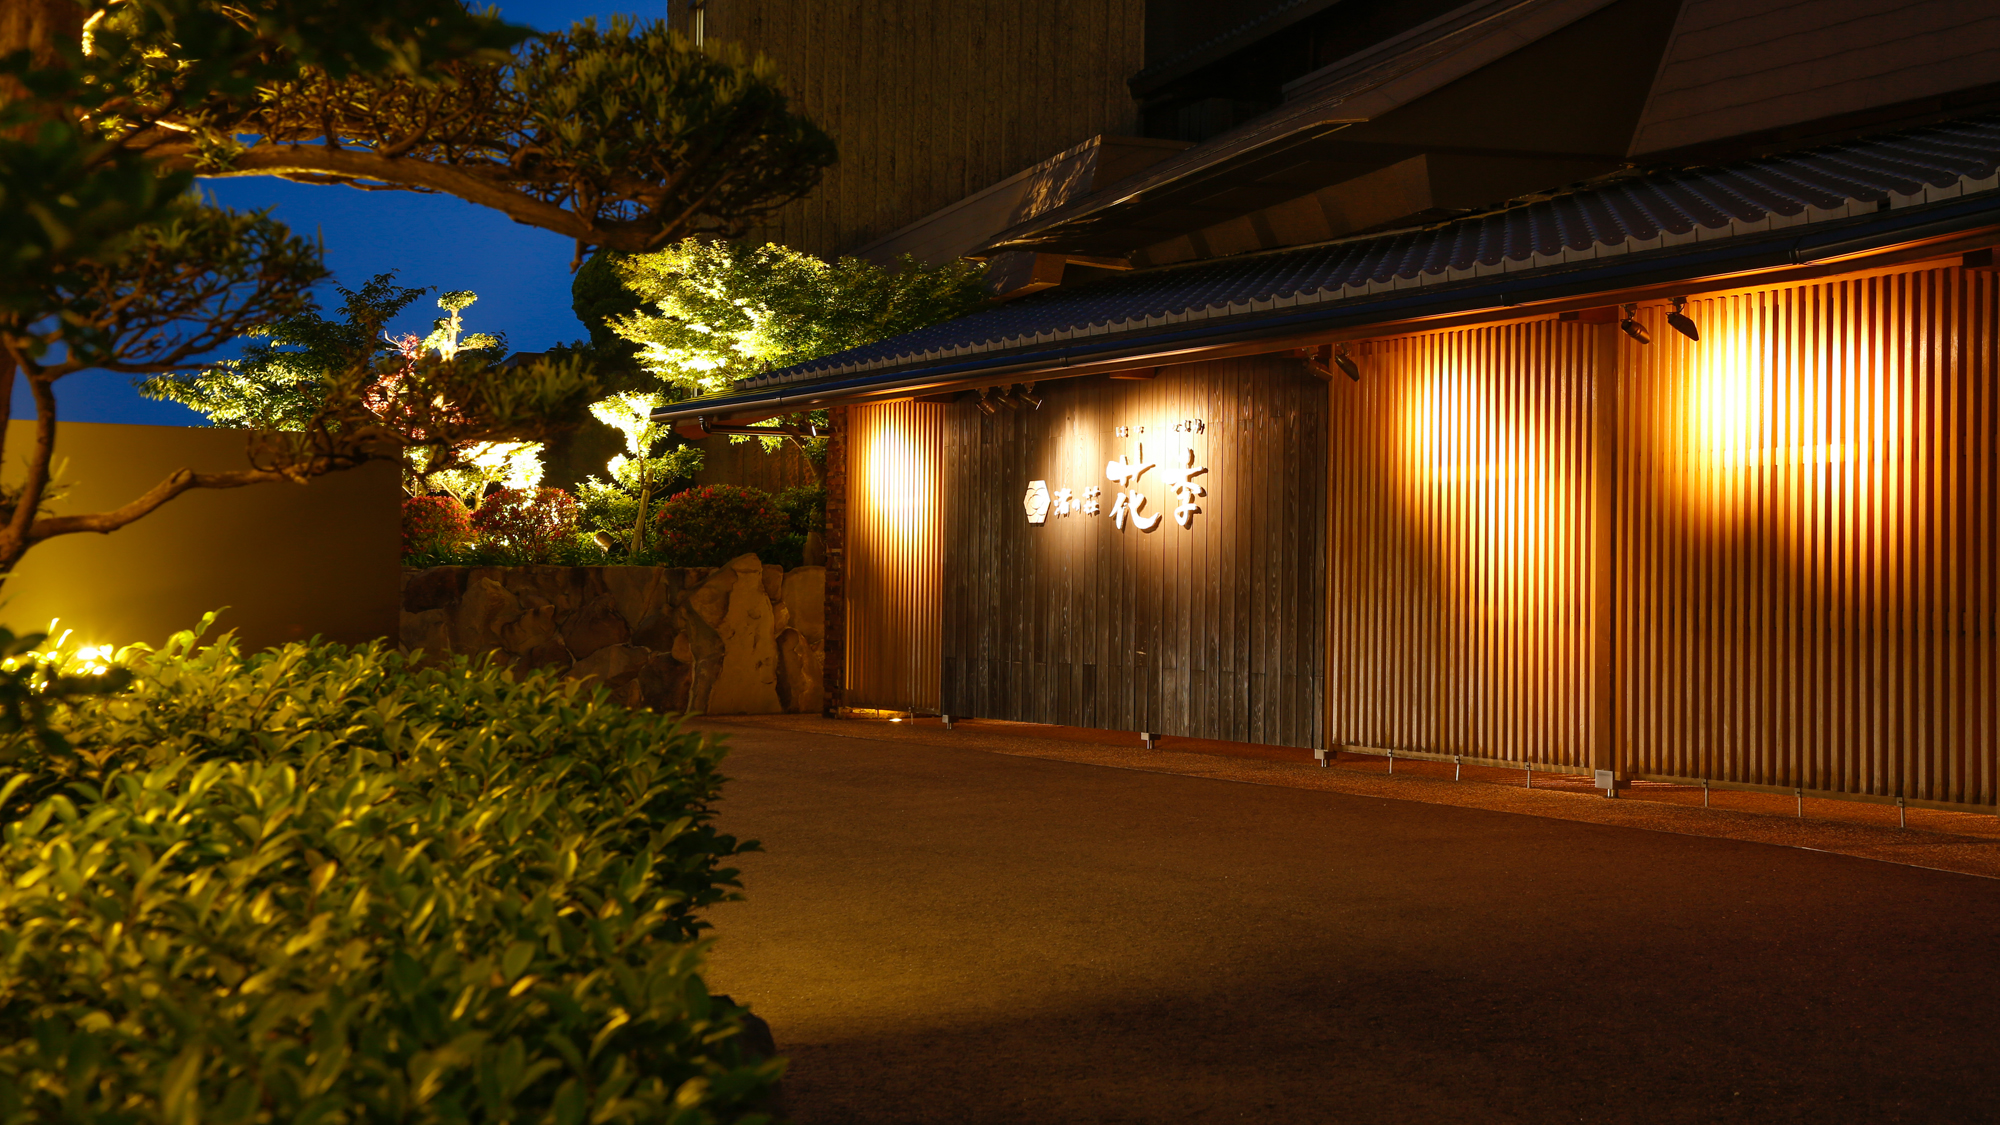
x=1210, y=631
x=931, y=102
x=1745, y=66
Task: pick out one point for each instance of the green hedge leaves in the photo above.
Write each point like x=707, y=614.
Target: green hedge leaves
x=320, y=885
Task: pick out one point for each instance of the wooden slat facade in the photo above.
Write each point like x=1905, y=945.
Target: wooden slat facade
x=932, y=102
x=1766, y=558
x=894, y=558
x=1209, y=631
x=1461, y=543
x=1807, y=533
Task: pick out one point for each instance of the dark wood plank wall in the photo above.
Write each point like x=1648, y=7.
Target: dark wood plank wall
x=1213, y=631
x=932, y=102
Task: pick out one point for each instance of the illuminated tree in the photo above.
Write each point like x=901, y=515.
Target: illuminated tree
x=719, y=312
x=623, y=137
x=643, y=467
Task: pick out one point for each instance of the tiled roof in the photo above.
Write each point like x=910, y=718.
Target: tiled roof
x=1633, y=212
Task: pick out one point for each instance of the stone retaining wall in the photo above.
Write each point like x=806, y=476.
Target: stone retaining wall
x=741, y=639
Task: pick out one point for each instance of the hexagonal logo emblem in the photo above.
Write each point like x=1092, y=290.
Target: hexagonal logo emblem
x=1036, y=502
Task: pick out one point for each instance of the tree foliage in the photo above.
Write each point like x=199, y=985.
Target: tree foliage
x=721, y=311
x=625, y=136
x=280, y=380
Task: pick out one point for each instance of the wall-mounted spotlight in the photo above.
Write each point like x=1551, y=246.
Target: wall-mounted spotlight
x=1026, y=393
x=1346, y=362
x=1681, y=321
x=1005, y=397
x=1632, y=327
x=985, y=404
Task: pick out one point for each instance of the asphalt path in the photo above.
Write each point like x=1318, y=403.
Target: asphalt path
x=948, y=935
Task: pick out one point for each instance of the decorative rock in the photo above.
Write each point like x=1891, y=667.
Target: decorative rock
x=597, y=624
x=637, y=591
x=429, y=630
x=532, y=630
x=747, y=683
x=440, y=587
x=710, y=600
x=677, y=639
x=799, y=684
x=613, y=664
x=805, y=596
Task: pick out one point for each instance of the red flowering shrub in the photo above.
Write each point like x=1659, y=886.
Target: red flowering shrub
x=710, y=525
x=525, y=523
x=435, y=525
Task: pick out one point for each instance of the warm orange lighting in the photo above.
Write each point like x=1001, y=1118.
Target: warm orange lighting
x=894, y=555
x=1771, y=406
x=1478, y=474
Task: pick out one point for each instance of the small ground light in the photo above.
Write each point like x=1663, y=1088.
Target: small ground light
x=1632, y=327
x=1681, y=321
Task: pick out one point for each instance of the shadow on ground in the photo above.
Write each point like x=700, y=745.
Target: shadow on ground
x=945, y=935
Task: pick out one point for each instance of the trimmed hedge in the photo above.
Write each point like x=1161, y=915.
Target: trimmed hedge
x=525, y=524
x=319, y=884
x=435, y=525
x=710, y=525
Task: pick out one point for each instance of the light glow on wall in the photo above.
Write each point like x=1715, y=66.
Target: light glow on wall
x=1777, y=404
x=1477, y=472
x=895, y=565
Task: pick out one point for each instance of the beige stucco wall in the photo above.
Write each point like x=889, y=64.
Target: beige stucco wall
x=289, y=560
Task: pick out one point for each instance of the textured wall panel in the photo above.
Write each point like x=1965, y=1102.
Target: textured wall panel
x=1768, y=558
x=894, y=556
x=1807, y=533
x=1460, y=568
x=1213, y=630
x=931, y=102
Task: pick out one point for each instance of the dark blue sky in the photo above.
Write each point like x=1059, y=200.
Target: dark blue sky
x=520, y=273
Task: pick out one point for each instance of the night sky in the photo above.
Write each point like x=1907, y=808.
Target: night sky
x=520, y=273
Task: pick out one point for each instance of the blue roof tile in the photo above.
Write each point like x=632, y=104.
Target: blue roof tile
x=1638, y=208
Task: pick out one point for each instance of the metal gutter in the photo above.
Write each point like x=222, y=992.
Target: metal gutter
x=1736, y=257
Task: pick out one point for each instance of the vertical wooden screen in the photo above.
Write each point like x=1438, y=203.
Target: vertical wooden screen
x=1807, y=537
x=1800, y=581
x=1212, y=630
x=1460, y=576
x=895, y=456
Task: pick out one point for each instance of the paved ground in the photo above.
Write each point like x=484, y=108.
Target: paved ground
x=942, y=933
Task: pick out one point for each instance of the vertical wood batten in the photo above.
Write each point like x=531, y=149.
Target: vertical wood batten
x=1463, y=611
x=1821, y=462
x=895, y=578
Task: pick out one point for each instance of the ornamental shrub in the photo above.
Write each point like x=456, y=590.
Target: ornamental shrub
x=435, y=525
x=525, y=525
x=323, y=884
x=710, y=525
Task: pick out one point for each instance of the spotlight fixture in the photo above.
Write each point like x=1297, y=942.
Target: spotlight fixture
x=1026, y=393
x=1681, y=321
x=604, y=541
x=1346, y=362
x=985, y=404
x=1632, y=327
